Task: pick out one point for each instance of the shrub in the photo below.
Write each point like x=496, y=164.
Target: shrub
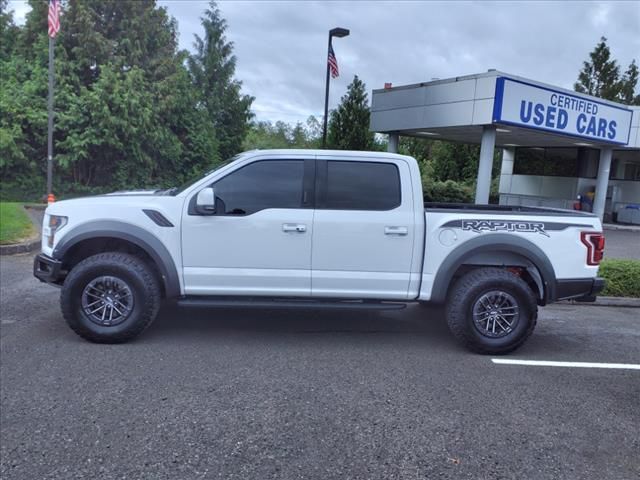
x=447, y=192
x=622, y=276
x=35, y=192
x=24, y=188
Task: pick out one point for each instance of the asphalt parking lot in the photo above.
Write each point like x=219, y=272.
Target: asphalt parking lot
x=622, y=244
x=307, y=394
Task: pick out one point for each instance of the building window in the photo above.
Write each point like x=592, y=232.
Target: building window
x=588, y=160
x=575, y=162
x=561, y=162
x=556, y=162
x=529, y=161
x=625, y=165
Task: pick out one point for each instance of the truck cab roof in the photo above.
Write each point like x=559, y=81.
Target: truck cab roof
x=352, y=154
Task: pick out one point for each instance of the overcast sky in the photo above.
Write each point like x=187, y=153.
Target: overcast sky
x=281, y=45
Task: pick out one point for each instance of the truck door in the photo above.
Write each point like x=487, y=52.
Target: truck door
x=260, y=244
x=363, y=229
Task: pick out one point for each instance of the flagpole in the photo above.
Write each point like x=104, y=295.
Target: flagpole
x=50, y=123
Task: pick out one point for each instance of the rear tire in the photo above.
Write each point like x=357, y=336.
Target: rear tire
x=491, y=311
x=110, y=297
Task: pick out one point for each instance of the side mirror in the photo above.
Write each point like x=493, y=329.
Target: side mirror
x=206, y=201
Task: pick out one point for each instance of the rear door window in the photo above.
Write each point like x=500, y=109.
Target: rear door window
x=361, y=186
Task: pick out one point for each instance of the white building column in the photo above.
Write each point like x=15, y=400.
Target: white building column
x=392, y=146
x=487, y=145
x=602, y=181
x=506, y=171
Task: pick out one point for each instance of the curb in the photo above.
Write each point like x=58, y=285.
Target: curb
x=33, y=206
x=621, y=228
x=30, y=245
x=24, y=247
x=627, y=302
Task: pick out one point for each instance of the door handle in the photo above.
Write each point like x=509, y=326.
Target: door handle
x=294, y=228
x=399, y=231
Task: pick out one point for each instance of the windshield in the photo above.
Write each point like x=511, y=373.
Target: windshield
x=176, y=190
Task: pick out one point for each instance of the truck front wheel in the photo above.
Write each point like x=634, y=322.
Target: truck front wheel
x=110, y=297
x=491, y=310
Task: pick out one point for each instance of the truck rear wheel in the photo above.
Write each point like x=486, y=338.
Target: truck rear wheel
x=491, y=311
x=110, y=297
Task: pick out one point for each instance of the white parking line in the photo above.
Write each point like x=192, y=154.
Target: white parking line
x=546, y=363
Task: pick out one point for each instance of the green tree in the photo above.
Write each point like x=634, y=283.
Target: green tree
x=23, y=108
x=127, y=112
x=630, y=80
x=32, y=41
x=314, y=131
x=349, y=124
x=23, y=118
x=455, y=161
x=264, y=135
x=448, y=170
x=600, y=76
x=420, y=149
x=299, y=136
x=212, y=67
x=8, y=31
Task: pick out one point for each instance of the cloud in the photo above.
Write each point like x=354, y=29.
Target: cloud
x=20, y=10
x=281, y=45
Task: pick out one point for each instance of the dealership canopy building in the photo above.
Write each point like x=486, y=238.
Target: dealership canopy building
x=556, y=144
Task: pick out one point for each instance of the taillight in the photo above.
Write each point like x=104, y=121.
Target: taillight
x=594, y=241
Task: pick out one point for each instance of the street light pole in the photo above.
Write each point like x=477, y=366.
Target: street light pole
x=334, y=32
x=326, y=99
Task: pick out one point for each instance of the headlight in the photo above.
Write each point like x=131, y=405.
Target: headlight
x=56, y=222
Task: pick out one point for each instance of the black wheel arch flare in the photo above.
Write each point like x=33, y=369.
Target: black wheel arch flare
x=130, y=233
x=494, y=243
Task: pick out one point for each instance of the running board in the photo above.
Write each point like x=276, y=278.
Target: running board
x=243, y=302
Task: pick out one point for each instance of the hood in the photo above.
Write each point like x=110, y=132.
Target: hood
x=133, y=192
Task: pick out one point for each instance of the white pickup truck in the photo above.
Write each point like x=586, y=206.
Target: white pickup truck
x=329, y=229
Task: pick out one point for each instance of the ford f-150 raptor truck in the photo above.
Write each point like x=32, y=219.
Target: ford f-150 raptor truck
x=331, y=229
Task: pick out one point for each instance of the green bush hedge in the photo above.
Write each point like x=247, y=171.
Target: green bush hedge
x=622, y=276
x=447, y=192
x=35, y=191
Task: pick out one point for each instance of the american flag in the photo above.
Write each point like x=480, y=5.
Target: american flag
x=54, y=17
x=333, y=63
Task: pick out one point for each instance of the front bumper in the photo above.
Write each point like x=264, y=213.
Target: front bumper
x=580, y=289
x=47, y=269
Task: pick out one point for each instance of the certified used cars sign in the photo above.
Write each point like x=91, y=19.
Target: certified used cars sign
x=541, y=108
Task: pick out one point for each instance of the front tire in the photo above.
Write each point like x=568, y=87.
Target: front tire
x=491, y=311
x=110, y=297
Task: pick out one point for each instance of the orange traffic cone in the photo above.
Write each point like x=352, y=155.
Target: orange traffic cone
x=51, y=198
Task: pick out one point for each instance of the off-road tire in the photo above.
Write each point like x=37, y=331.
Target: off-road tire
x=469, y=288
x=141, y=280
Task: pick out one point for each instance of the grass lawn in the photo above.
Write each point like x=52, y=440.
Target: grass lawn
x=15, y=224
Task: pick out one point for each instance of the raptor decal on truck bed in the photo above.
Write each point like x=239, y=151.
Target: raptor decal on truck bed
x=521, y=226
x=497, y=226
